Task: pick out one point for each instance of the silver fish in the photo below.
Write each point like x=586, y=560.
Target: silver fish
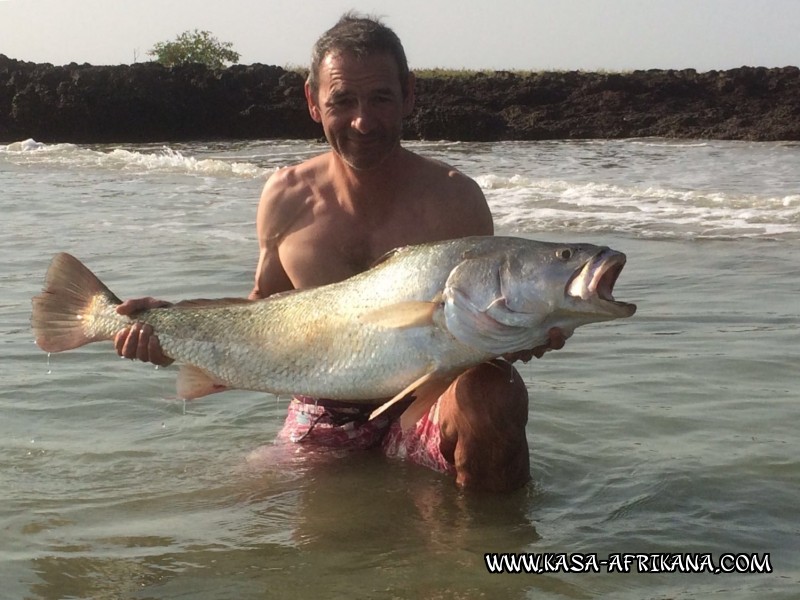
x=423, y=313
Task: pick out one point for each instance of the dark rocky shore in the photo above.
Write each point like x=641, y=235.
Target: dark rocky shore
x=148, y=103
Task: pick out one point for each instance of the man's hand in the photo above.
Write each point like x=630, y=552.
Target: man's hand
x=556, y=341
x=138, y=341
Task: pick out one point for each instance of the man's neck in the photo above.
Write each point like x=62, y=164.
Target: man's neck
x=360, y=187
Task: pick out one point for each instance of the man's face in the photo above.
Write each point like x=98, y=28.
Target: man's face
x=361, y=107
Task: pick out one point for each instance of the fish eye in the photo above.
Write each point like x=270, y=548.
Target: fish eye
x=565, y=253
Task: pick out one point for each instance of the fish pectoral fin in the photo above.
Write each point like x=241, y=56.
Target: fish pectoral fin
x=196, y=383
x=402, y=315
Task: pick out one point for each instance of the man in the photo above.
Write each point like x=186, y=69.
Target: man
x=334, y=215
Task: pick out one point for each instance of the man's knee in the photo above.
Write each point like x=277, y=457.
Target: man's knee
x=483, y=426
x=495, y=389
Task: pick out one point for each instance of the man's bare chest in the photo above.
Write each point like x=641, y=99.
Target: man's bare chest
x=320, y=257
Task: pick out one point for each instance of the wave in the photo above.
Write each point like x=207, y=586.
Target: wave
x=164, y=159
x=679, y=207
x=522, y=204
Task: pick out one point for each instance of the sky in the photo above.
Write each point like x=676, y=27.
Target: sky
x=589, y=35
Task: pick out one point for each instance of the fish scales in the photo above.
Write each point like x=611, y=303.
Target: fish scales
x=429, y=310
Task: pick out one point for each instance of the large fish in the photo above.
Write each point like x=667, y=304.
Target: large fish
x=424, y=313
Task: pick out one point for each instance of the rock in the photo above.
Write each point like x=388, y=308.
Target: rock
x=147, y=102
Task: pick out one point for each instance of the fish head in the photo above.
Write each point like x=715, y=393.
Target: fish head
x=508, y=301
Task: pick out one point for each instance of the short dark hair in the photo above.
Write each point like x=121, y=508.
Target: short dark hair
x=362, y=36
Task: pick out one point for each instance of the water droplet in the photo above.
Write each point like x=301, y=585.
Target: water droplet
x=49, y=370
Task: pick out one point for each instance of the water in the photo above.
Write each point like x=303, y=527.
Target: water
x=671, y=432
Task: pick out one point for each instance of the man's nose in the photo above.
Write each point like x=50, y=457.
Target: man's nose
x=363, y=119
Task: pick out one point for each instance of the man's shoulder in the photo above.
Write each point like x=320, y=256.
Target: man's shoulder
x=453, y=203
x=445, y=177
x=301, y=175
x=288, y=194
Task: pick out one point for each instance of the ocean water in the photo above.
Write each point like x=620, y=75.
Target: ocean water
x=673, y=432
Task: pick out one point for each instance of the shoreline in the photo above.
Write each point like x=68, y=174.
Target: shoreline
x=147, y=102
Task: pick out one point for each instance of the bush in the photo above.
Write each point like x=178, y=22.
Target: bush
x=194, y=47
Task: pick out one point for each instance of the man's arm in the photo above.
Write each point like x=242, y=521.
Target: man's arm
x=483, y=220
x=271, y=225
x=466, y=212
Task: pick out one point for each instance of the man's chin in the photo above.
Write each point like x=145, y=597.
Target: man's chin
x=368, y=162
x=369, y=158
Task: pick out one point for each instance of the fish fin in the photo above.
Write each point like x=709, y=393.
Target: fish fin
x=70, y=290
x=211, y=303
x=402, y=315
x=424, y=386
x=426, y=396
x=388, y=255
x=416, y=409
x=406, y=391
x=193, y=383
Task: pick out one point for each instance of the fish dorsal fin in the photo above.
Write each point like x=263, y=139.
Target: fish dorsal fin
x=196, y=383
x=402, y=315
x=388, y=255
x=211, y=303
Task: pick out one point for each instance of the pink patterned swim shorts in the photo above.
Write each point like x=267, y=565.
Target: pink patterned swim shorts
x=342, y=425
x=327, y=423
x=420, y=444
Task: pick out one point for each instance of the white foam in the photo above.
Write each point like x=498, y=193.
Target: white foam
x=24, y=146
x=522, y=204
x=529, y=187
x=163, y=160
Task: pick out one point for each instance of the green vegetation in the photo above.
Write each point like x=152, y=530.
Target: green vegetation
x=195, y=47
x=441, y=73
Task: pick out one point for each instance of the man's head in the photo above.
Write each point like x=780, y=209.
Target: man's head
x=362, y=37
x=360, y=90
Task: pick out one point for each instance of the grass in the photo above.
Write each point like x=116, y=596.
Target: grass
x=462, y=73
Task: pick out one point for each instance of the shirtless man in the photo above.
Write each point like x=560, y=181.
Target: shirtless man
x=332, y=216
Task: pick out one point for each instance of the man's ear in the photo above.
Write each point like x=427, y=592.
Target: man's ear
x=313, y=107
x=408, y=101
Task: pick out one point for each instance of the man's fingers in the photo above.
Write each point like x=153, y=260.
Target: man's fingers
x=134, y=305
x=143, y=343
x=120, y=339
x=130, y=306
x=130, y=348
x=156, y=355
x=557, y=339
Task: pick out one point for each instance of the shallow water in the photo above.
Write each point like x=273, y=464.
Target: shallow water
x=674, y=431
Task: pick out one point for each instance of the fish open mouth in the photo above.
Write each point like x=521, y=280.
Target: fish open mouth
x=596, y=279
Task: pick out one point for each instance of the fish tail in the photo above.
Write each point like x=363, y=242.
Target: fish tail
x=63, y=314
